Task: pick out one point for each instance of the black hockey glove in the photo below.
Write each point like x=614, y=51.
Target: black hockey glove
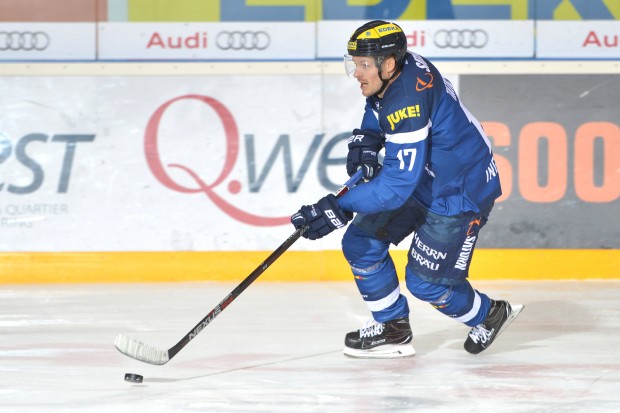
x=321, y=218
x=364, y=146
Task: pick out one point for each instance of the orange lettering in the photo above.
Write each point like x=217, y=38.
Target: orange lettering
x=585, y=137
x=557, y=162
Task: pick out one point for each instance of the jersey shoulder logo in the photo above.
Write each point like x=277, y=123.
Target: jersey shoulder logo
x=404, y=113
x=426, y=83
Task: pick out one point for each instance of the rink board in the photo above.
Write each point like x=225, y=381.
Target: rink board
x=93, y=267
x=100, y=225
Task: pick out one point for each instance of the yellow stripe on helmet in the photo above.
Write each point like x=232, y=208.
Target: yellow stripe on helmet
x=379, y=31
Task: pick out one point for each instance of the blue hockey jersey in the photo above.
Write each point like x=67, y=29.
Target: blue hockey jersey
x=435, y=150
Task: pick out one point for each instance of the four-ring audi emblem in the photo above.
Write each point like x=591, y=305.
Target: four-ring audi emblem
x=465, y=39
x=243, y=40
x=25, y=41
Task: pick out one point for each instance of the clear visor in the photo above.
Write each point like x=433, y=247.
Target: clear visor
x=349, y=65
x=362, y=66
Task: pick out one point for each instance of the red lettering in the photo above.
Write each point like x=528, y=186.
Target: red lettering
x=414, y=41
x=196, y=41
x=592, y=38
x=177, y=45
x=153, y=158
x=608, y=41
x=155, y=40
x=192, y=42
x=610, y=44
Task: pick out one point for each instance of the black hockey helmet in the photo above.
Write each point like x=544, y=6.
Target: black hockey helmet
x=378, y=38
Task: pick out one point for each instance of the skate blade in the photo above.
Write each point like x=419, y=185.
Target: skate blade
x=382, y=352
x=516, y=310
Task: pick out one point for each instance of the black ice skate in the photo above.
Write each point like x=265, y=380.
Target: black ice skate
x=381, y=340
x=500, y=316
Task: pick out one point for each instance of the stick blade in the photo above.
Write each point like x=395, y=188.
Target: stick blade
x=140, y=351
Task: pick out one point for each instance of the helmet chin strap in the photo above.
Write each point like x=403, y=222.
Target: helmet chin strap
x=386, y=82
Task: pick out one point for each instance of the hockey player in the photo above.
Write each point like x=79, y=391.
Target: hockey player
x=438, y=182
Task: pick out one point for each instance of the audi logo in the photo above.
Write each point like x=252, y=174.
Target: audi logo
x=25, y=41
x=243, y=40
x=465, y=39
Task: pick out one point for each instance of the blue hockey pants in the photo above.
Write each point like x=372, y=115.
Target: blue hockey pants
x=437, y=267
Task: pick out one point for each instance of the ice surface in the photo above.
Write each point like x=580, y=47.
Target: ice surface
x=278, y=348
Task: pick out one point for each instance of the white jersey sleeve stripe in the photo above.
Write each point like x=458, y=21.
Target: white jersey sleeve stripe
x=409, y=137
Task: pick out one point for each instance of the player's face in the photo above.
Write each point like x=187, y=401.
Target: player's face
x=367, y=74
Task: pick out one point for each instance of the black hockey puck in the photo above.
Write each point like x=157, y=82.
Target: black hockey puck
x=134, y=378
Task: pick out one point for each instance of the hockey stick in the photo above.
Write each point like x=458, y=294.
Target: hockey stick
x=143, y=352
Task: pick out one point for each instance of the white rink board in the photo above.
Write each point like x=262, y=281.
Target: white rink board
x=591, y=39
x=51, y=41
x=447, y=39
x=113, y=200
x=219, y=41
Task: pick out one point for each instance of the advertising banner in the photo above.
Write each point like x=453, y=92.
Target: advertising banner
x=48, y=41
x=592, y=39
x=442, y=39
x=557, y=148
x=167, y=163
x=207, y=41
x=219, y=163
